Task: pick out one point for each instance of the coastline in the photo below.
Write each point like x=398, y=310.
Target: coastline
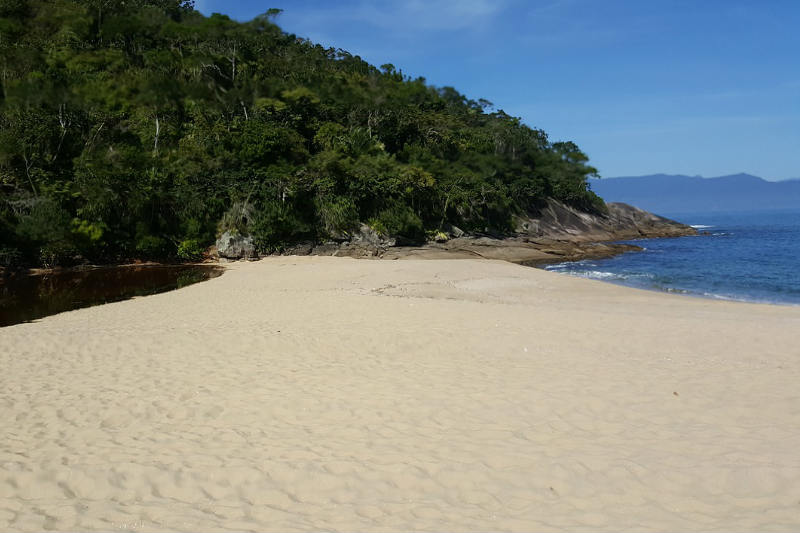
x=518, y=250
x=552, y=233
x=327, y=393
x=506, y=249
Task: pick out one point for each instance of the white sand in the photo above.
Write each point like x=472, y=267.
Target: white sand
x=335, y=394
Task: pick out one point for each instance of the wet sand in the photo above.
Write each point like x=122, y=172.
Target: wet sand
x=318, y=393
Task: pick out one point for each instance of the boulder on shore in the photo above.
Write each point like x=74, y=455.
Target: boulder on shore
x=367, y=237
x=453, y=231
x=232, y=245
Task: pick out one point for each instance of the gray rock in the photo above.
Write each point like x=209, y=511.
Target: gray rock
x=325, y=249
x=357, y=250
x=454, y=231
x=303, y=248
x=560, y=222
x=366, y=236
x=235, y=246
x=338, y=236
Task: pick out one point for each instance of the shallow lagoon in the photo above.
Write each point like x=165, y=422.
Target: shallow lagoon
x=30, y=297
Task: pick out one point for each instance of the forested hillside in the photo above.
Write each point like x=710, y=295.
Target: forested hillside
x=143, y=129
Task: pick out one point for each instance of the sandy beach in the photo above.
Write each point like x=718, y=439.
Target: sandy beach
x=319, y=393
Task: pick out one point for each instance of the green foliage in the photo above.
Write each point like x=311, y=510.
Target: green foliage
x=338, y=215
x=238, y=218
x=399, y=220
x=377, y=226
x=58, y=253
x=91, y=233
x=46, y=222
x=10, y=257
x=143, y=129
x=88, y=238
x=277, y=225
x=153, y=247
x=190, y=250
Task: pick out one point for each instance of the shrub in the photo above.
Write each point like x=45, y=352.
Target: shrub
x=378, y=226
x=438, y=236
x=338, y=215
x=276, y=225
x=59, y=253
x=88, y=236
x=152, y=247
x=190, y=250
x=238, y=218
x=10, y=257
x=399, y=220
x=45, y=222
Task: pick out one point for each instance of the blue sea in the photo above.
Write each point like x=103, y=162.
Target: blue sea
x=750, y=256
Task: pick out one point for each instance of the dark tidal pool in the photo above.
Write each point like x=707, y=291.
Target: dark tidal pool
x=27, y=298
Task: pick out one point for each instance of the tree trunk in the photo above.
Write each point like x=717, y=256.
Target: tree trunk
x=155, y=141
x=232, y=59
x=28, y=165
x=64, y=123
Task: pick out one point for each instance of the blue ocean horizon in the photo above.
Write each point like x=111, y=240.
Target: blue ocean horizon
x=743, y=256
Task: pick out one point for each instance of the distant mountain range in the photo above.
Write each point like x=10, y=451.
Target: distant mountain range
x=668, y=194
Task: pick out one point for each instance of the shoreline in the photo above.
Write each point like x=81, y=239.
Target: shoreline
x=29, y=272
x=514, y=250
x=434, y=252
x=553, y=233
x=684, y=293
x=308, y=393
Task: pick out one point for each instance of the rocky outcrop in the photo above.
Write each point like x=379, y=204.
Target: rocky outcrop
x=369, y=238
x=512, y=249
x=363, y=242
x=556, y=233
x=552, y=234
x=453, y=231
x=558, y=222
x=232, y=245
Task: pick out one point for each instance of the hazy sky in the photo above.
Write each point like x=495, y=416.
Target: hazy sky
x=681, y=87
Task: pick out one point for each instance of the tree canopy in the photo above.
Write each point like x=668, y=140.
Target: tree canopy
x=142, y=129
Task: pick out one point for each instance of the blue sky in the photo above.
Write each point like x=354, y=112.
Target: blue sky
x=682, y=87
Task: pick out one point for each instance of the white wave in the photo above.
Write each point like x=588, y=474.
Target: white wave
x=674, y=290
x=595, y=274
x=700, y=226
x=558, y=267
x=746, y=299
x=725, y=297
x=607, y=276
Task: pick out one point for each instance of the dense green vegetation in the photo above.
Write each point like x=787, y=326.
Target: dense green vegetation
x=142, y=129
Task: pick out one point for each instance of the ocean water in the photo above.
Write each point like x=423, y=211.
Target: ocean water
x=747, y=256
